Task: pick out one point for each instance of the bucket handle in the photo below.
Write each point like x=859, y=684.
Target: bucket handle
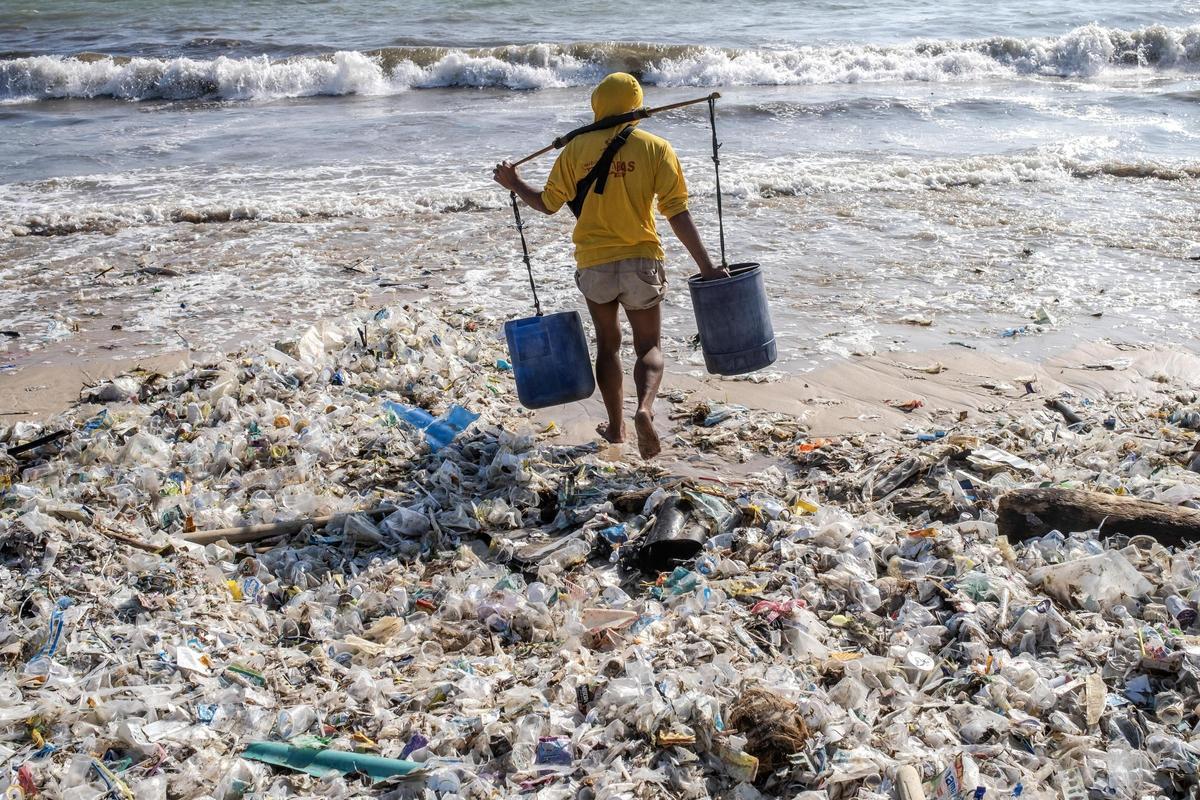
x=712, y=121
x=537, y=305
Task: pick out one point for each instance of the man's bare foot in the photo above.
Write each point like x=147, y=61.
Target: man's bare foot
x=648, y=444
x=617, y=438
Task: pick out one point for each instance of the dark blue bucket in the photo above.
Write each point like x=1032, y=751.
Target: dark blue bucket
x=550, y=359
x=734, y=321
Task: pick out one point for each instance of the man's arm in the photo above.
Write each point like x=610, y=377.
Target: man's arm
x=506, y=175
x=685, y=230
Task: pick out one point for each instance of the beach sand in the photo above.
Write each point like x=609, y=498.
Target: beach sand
x=955, y=386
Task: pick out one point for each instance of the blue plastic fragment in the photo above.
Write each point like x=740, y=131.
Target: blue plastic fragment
x=438, y=432
x=415, y=743
x=502, y=364
x=553, y=751
x=417, y=417
x=615, y=534
x=54, y=635
x=718, y=413
x=97, y=422
x=443, y=431
x=45, y=750
x=323, y=763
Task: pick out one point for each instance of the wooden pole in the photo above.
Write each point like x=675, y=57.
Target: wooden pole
x=532, y=156
x=641, y=113
x=254, y=533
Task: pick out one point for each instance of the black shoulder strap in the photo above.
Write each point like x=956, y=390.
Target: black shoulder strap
x=598, y=175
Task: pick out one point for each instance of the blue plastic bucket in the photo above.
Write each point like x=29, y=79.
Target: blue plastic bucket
x=550, y=359
x=734, y=321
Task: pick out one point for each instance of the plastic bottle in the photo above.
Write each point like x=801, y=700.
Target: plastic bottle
x=524, y=748
x=1183, y=613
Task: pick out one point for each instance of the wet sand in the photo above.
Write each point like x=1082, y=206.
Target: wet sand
x=41, y=391
x=956, y=387
x=857, y=395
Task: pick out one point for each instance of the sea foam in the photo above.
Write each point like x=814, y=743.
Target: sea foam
x=101, y=203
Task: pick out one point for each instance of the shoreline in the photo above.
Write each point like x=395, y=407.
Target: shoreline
x=853, y=395
x=894, y=398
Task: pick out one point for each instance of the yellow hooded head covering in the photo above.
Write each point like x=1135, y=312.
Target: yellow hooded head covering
x=618, y=93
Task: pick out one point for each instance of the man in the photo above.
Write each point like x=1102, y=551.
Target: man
x=617, y=249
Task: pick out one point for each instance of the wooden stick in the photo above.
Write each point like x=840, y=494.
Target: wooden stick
x=532, y=156
x=132, y=542
x=354, y=267
x=254, y=533
x=641, y=113
x=1025, y=513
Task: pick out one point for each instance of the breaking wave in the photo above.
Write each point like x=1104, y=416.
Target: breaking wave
x=66, y=206
x=1083, y=52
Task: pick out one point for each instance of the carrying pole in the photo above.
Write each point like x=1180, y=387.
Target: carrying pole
x=712, y=120
x=613, y=121
x=537, y=305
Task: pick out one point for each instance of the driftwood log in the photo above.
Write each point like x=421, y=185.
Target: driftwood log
x=1025, y=513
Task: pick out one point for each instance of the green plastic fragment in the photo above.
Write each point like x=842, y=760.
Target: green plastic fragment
x=321, y=763
x=253, y=675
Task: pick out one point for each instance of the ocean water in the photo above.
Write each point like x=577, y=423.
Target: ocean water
x=910, y=174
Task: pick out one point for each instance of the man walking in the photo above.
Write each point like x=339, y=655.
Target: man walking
x=610, y=179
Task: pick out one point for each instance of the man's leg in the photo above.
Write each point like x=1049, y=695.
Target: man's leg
x=608, y=366
x=647, y=374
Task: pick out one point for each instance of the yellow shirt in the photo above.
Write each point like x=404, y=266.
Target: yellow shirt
x=618, y=224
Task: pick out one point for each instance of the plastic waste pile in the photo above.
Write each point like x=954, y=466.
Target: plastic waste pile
x=413, y=594
x=1136, y=446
